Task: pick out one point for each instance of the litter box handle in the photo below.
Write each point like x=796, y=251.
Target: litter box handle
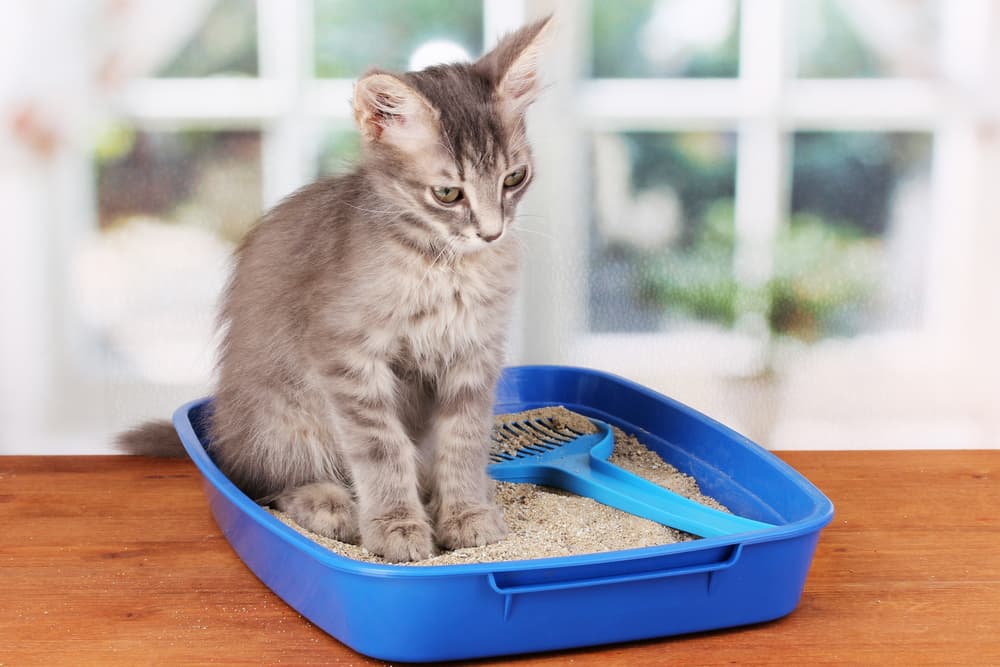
x=659, y=573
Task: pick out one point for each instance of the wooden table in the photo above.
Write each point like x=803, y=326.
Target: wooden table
x=116, y=560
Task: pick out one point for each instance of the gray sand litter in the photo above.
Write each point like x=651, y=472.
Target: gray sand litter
x=544, y=522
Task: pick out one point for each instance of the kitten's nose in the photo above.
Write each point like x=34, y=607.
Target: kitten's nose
x=489, y=224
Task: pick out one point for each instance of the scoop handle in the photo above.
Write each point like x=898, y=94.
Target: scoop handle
x=618, y=488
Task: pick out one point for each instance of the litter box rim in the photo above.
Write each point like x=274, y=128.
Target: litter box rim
x=821, y=515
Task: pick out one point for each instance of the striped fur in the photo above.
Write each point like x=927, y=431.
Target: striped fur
x=364, y=321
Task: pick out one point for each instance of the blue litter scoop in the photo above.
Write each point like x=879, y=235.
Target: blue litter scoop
x=546, y=451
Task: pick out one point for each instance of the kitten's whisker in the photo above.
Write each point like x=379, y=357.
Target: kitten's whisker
x=445, y=248
x=522, y=246
x=518, y=144
x=546, y=235
x=534, y=231
x=448, y=149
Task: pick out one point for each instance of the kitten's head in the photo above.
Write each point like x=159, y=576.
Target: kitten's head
x=447, y=144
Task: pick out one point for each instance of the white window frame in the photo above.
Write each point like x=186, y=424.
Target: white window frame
x=76, y=404
x=762, y=105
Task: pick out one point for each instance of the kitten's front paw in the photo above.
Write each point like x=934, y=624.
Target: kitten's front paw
x=470, y=526
x=325, y=508
x=398, y=537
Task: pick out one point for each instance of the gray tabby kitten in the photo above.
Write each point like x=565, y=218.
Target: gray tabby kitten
x=366, y=315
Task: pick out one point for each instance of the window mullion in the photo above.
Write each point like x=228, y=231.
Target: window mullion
x=284, y=39
x=552, y=304
x=762, y=160
x=964, y=57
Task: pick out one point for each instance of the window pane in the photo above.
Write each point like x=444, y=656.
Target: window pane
x=204, y=178
x=340, y=150
x=352, y=36
x=662, y=238
x=852, y=258
x=666, y=38
x=171, y=206
x=848, y=38
x=224, y=45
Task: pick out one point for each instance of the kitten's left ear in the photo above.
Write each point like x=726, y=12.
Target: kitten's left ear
x=513, y=66
x=387, y=110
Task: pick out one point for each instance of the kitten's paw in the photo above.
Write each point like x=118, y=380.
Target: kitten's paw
x=325, y=508
x=470, y=526
x=399, y=537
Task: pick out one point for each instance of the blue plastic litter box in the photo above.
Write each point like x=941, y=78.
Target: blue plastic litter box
x=453, y=612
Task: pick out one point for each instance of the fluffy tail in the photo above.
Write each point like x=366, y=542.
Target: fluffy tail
x=155, y=438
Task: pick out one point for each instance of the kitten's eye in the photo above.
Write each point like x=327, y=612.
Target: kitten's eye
x=515, y=178
x=447, y=195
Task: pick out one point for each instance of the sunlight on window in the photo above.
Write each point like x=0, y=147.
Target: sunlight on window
x=224, y=45
x=146, y=291
x=437, y=52
x=172, y=206
x=775, y=234
x=352, y=36
x=666, y=38
x=859, y=38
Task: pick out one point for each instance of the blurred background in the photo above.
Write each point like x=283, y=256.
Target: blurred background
x=780, y=212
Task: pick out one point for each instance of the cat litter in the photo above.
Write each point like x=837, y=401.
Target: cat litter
x=464, y=608
x=543, y=522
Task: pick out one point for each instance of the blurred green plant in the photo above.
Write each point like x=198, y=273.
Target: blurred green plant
x=822, y=274
x=113, y=141
x=827, y=258
x=696, y=280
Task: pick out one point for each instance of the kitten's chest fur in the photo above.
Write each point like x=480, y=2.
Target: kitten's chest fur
x=447, y=309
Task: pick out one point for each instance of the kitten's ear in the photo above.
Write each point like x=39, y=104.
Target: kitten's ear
x=388, y=110
x=513, y=66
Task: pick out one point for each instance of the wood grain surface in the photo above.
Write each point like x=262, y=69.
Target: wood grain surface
x=117, y=561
